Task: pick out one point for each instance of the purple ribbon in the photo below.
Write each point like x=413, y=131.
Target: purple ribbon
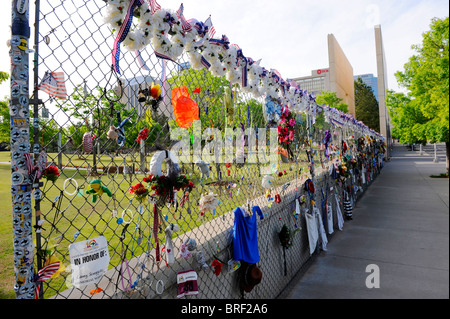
x=224, y=42
x=241, y=58
x=326, y=142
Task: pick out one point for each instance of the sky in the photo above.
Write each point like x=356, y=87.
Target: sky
x=291, y=35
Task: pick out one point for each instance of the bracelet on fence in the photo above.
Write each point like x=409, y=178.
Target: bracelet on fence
x=65, y=186
x=124, y=213
x=159, y=283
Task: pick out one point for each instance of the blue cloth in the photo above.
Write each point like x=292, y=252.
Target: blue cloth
x=245, y=237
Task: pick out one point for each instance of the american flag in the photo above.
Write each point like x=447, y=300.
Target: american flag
x=29, y=162
x=184, y=198
x=153, y=5
x=53, y=83
x=211, y=29
x=184, y=23
x=44, y=274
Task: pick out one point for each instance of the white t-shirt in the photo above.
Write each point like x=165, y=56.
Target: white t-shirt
x=340, y=218
x=330, y=218
x=323, y=235
x=313, y=232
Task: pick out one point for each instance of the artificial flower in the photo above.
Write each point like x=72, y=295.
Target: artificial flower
x=143, y=135
x=51, y=173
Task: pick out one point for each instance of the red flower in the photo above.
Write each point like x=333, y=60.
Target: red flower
x=217, y=265
x=138, y=189
x=51, y=173
x=228, y=165
x=143, y=135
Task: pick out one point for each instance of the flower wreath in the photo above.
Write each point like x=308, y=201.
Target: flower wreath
x=164, y=185
x=171, y=35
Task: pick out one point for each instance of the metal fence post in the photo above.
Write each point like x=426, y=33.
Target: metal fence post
x=436, y=159
x=20, y=150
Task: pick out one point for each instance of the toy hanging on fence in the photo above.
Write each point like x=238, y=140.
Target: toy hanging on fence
x=97, y=189
x=154, y=94
x=204, y=168
x=121, y=130
x=309, y=188
x=187, y=247
x=169, y=244
x=88, y=142
x=208, y=202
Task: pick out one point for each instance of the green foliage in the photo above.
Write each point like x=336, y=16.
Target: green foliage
x=210, y=100
x=332, y=100
x=406, y=118
x=426, y=78
x=4, y=121
x=366, y=105
x=3, y=76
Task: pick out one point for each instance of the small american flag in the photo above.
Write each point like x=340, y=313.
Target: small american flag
x=184, y=23
x=211, y=29
x=53, y=84
x=29, y=162
x=184, y=198
x=45, y=274
x=153, y=5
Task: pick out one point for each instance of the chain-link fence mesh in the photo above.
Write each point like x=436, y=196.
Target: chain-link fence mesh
x=102, y=136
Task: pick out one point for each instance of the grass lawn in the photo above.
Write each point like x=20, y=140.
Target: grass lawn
x=7, y=280
x=79, y=218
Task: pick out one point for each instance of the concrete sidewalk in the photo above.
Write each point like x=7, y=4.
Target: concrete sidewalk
x=401, y=224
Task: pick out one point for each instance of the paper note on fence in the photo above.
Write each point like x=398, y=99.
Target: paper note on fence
x=89, y=261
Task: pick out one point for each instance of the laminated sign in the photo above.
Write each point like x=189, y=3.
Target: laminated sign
x=187, y=283
x=89, y=261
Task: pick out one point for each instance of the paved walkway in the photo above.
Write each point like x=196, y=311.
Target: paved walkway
x=401, y=224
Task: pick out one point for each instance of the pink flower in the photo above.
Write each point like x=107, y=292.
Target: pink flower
x=291, y=135
x=291, y=122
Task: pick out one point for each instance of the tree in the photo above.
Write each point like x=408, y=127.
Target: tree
x=4, y=117
x=366, y=105
x=210, y=100
x=4, y=123
x=426, y=78
x=332, y=100
x=3, y=76
x=406, y=118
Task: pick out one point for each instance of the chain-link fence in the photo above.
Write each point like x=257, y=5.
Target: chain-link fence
x=132, y=111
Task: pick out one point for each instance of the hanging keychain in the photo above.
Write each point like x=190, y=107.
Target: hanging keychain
x=123, y=258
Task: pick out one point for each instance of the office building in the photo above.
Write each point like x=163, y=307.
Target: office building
x=369, y=80
x=338, y=77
